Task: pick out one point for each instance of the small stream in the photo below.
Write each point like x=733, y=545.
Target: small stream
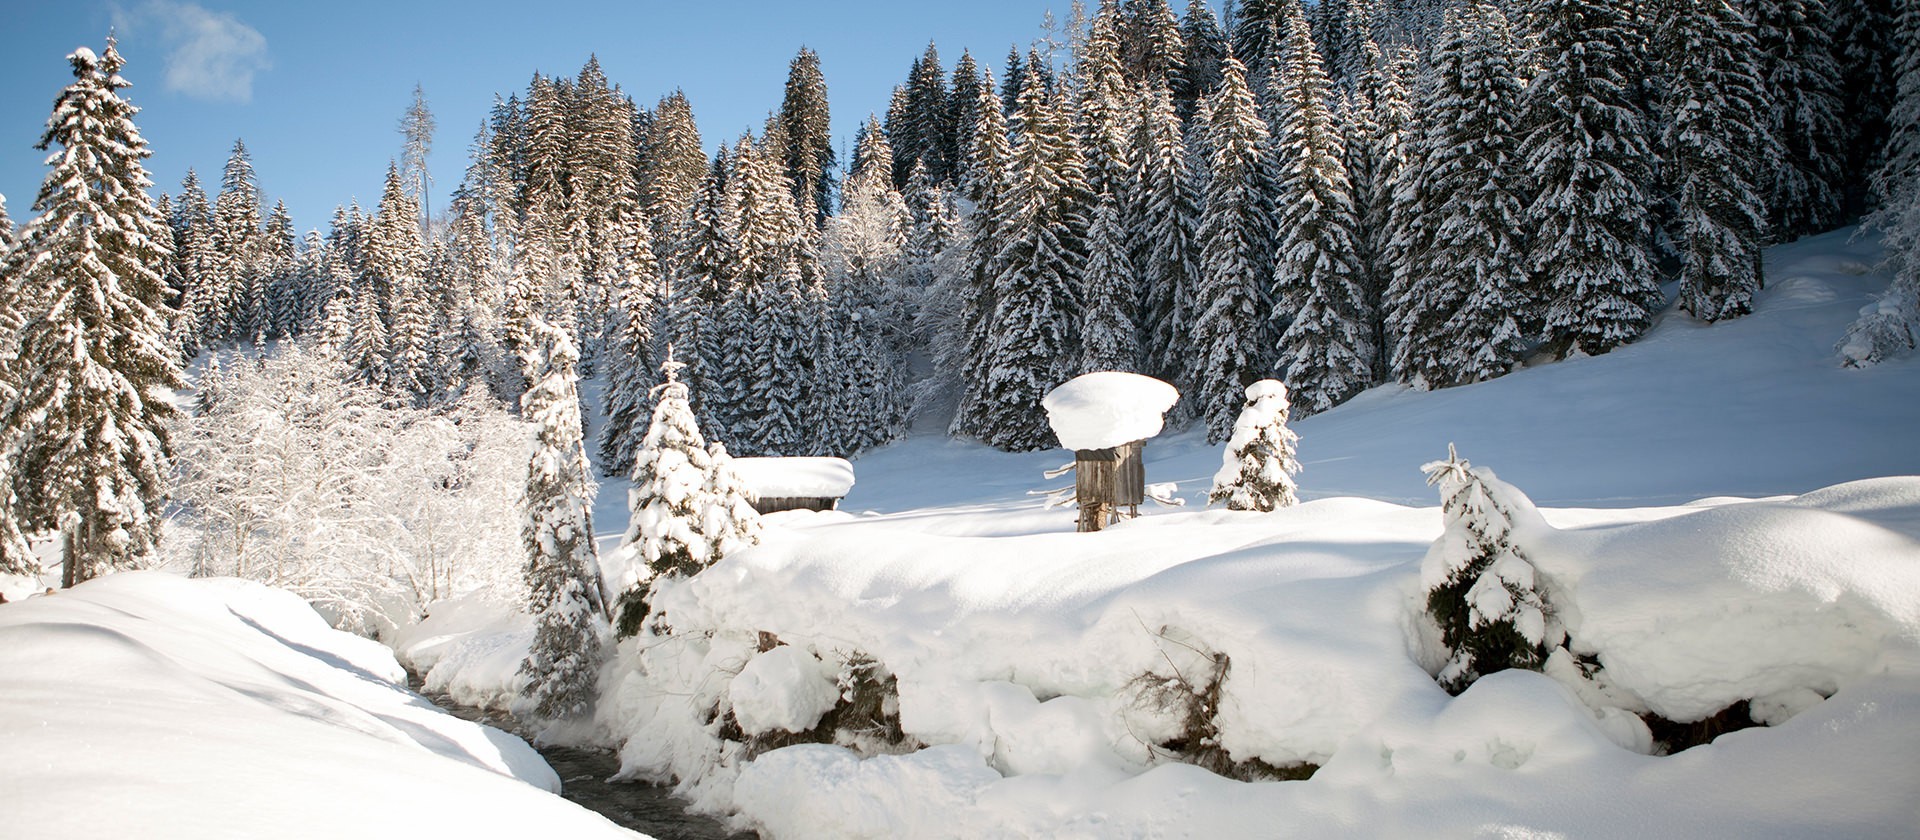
x=648, y=809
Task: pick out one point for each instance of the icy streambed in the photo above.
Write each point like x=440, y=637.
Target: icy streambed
x=584, y=773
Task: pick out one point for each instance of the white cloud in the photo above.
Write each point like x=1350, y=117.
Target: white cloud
x=210, y=55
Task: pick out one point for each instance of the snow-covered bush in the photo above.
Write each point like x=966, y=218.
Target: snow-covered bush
x=1887, y=327
x=1481, y=588
x=1258, y=468
x=296, y=477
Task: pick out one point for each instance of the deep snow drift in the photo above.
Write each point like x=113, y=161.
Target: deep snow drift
x=148, y=705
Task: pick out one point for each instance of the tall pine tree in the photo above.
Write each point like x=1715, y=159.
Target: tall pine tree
x=85, y=430
x=1229, y=324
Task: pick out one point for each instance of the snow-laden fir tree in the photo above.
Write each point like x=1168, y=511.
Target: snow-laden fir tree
x=235, y=244
x=85, y=428
x=1319, y=284
x=15, y=557
x=1165, y=237
x=1205, y=50
x=1229, y=320
x=808, y=153
x=396, y=274
x=1152, y=51
x=1257, y=470
x=637, y=306
x=1715, y=120
x=1802, y=85
x=1890, y=326
x=1109, y=338
x=193, y=260
x=670, y=175
x=1036, y=320
x=570, y=639
x=1587, y=157
x=1100, y=111
x=671, y=502
x=1459, y=299
x=964, y=355
x=1486, y=596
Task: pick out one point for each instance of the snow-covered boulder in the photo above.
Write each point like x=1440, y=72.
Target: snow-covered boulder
x=785, y=688
x=1109, y=408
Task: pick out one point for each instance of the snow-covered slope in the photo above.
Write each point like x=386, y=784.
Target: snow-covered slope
x=147, y=705
x=1756, y=406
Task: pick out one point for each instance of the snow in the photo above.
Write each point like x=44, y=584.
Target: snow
x=1723, y=516
x=827, y=478
x=1106, y=409
x=786, y=689
x=148, y=705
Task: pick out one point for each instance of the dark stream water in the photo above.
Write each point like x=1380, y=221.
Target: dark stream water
x=649, y=809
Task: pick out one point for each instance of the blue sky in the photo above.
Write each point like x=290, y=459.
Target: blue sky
x=316, y=89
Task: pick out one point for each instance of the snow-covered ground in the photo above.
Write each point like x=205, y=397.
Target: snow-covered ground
x=148, y=705
x=1032, y=662
x=1718, y=528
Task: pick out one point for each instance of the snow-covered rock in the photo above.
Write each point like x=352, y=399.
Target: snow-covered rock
x=785, y=689
x=1108, y=408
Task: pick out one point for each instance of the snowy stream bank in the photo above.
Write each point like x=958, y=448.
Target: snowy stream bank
x=585, y=781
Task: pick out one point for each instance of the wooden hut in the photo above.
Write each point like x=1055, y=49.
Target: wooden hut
x=1106, y=418
x=778, y=484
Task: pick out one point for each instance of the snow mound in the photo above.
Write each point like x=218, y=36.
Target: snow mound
x=767, y=478
x=1109, y=408
x=785, y=688
x=144, y=704
x=1775, y=602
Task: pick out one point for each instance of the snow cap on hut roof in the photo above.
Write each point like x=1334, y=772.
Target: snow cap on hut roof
x=1109, y=408
x=809, y=478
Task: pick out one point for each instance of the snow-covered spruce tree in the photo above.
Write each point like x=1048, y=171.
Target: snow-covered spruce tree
x=85, y=427
x=1109, y=339
x=1319, y=284
x=637, y=306
x=1205, y=50
x=963, y=356
x=1802, y=84
x=1257, y=470
x=1229, y=315
x=1483, y=592
x=1166, y=244
x=193, y=259
x=1100, y=113
x=1036, y=322
x=670, y=175
x=1890, y=326
x=1587, y=159
x=1460, y=297
x=669, y=502
x=808, y=153
x=1714, y=118
x=562, y=667
x=396, y=275
x=235, y=243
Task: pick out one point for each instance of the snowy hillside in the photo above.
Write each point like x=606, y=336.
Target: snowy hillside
x=1042, y=681
x=1756, y=406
